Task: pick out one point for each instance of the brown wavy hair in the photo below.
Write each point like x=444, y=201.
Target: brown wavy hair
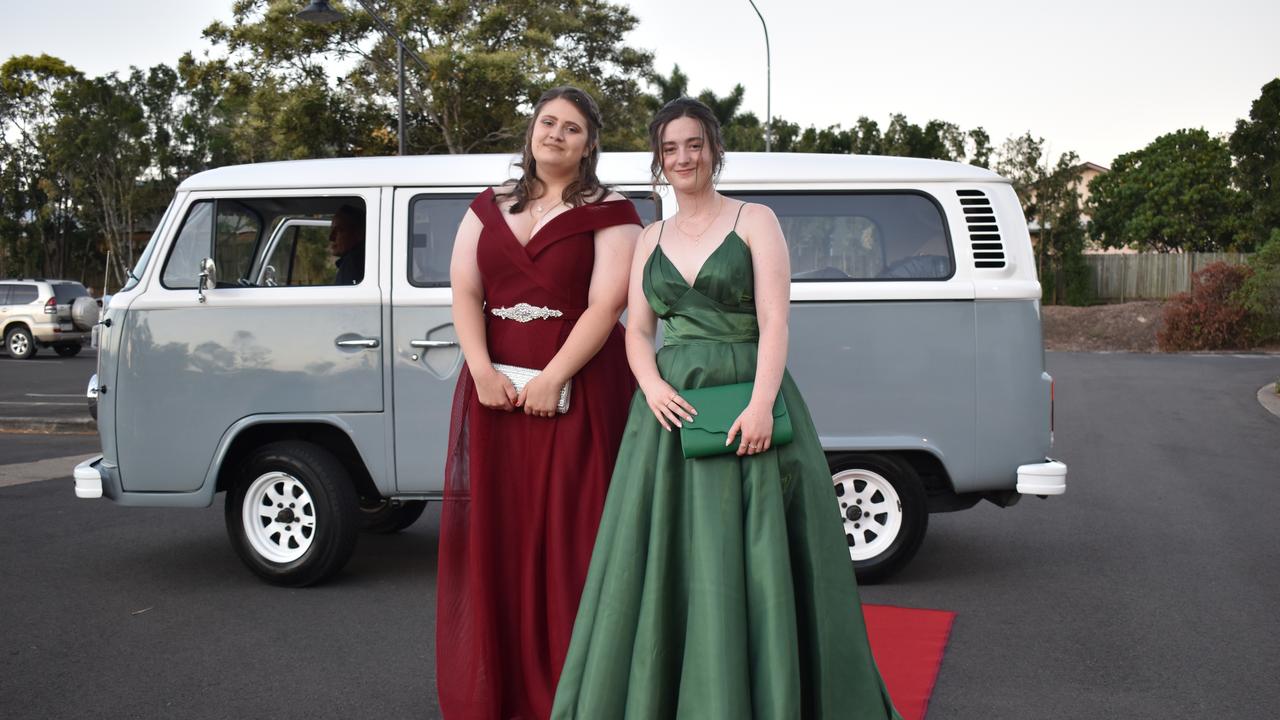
x=674, y=110
x=579, y=192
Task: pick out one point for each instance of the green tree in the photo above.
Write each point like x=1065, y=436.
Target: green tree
x=37, y=224
x=1021, y=160
x=100, y=145
x=980, y=149
x=1256, y=146
x=671, y=87
x=1174, y=194
x=1065, y=275
x=1260, y=294
x=488, y=60
x=1050, y=199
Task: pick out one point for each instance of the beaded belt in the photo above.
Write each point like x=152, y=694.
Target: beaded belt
x=524, y=312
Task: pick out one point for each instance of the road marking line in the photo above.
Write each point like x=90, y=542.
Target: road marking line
x=50, y=469
x=74, y=395
x=33, y=404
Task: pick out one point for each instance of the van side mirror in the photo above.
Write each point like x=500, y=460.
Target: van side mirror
x=208, y=277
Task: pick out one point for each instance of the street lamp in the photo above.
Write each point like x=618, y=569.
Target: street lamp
x=768, y=82
x=319, y=12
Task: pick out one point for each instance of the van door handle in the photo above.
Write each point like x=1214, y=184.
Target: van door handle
x=433, y=343
x=359, y=342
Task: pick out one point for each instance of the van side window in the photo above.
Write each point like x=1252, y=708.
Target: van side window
x=433, y=223
x=192, y=245
x=272, y=242
x=300, y=256
x=235, y=240
x=862, y=235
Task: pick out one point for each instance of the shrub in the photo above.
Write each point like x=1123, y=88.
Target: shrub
x=1260, y=294
x=1210, y=317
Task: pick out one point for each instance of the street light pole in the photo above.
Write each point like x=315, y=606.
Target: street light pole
x=318, y=11
x=768, y=83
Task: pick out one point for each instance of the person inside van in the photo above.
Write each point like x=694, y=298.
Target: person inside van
x=346, y=244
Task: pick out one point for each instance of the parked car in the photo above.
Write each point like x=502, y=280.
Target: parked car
x=231, y=362
x=37, y=313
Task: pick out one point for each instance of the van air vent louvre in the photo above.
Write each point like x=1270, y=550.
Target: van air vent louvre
x=984, y=233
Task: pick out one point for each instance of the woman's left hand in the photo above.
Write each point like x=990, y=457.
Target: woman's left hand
x=756, y=425
x=540, y=396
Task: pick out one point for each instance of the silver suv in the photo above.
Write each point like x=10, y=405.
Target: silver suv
x=37, y=313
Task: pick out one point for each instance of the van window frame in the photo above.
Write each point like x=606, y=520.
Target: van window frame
x=239, y=196
x=739, y=193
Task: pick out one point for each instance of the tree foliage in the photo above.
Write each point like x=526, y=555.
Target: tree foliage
x=487, y=61
x=1260, y=293
x=1050, y=199
x=1256, y=146
x=1174, y=194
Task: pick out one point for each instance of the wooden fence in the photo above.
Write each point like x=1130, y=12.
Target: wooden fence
x=1149, y=276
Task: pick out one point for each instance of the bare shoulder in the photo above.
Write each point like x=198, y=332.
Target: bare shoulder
x=612, y=196
x=756, y=214
x=758, y=222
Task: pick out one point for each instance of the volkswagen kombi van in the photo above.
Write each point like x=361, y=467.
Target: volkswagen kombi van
x=234, y=362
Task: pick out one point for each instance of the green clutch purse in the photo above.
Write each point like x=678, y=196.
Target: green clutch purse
x=718, y=406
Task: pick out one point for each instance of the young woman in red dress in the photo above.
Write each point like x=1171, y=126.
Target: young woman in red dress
x=539, y=275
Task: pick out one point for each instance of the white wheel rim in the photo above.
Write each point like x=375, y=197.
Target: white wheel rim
x=279, y=517
x=18, y=344
x=871, y=510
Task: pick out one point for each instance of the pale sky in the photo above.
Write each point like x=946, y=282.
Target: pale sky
x=1100, y=77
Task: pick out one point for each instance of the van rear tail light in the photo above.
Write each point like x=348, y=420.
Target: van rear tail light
x=51, y=307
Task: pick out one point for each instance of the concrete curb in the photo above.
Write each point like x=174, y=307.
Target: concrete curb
x=49, y=426
x=1269, y=399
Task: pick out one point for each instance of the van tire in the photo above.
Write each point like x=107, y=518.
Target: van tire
x=67, y=349
x=387, y=517
x=873, y=478
x=19, y=343
x=327, y=504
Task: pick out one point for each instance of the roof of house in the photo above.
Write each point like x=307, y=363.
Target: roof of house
x=630, y=168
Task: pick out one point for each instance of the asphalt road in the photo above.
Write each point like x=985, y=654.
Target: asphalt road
x=46, y=385
x=1147, y=591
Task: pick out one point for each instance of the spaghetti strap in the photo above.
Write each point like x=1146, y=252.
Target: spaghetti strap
x=662, y=225
x=735, y=217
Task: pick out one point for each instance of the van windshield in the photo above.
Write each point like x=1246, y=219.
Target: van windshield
x=135, y=275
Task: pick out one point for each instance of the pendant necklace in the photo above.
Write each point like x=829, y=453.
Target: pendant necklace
x=698, y=237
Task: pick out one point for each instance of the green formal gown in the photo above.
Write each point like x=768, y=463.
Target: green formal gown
x=719, y=588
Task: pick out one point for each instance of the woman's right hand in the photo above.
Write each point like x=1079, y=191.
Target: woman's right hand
x=667, y=405
x=495, y=390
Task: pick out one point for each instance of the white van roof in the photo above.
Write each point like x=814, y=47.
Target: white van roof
x=620, y=168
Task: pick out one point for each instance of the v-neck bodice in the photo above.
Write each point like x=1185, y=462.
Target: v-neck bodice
x=720, y=304
x=554, y=267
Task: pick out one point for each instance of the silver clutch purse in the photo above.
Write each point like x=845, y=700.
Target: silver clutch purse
x=520, y=376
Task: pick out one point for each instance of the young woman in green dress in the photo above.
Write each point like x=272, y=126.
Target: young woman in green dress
x=720, y=587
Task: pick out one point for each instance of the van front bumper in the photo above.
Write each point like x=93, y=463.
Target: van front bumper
x=88, y=479
x=1046, y=478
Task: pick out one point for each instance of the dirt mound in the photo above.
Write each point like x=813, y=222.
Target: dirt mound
x=1128, y=326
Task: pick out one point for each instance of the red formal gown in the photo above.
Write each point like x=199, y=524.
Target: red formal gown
x=523, y=494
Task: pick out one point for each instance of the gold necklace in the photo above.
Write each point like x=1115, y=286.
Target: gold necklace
x=698, y=237
x=537, y=207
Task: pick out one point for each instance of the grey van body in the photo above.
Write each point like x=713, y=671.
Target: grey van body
x=927, y=366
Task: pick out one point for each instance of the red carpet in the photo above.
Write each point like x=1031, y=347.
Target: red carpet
x=908, y=646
